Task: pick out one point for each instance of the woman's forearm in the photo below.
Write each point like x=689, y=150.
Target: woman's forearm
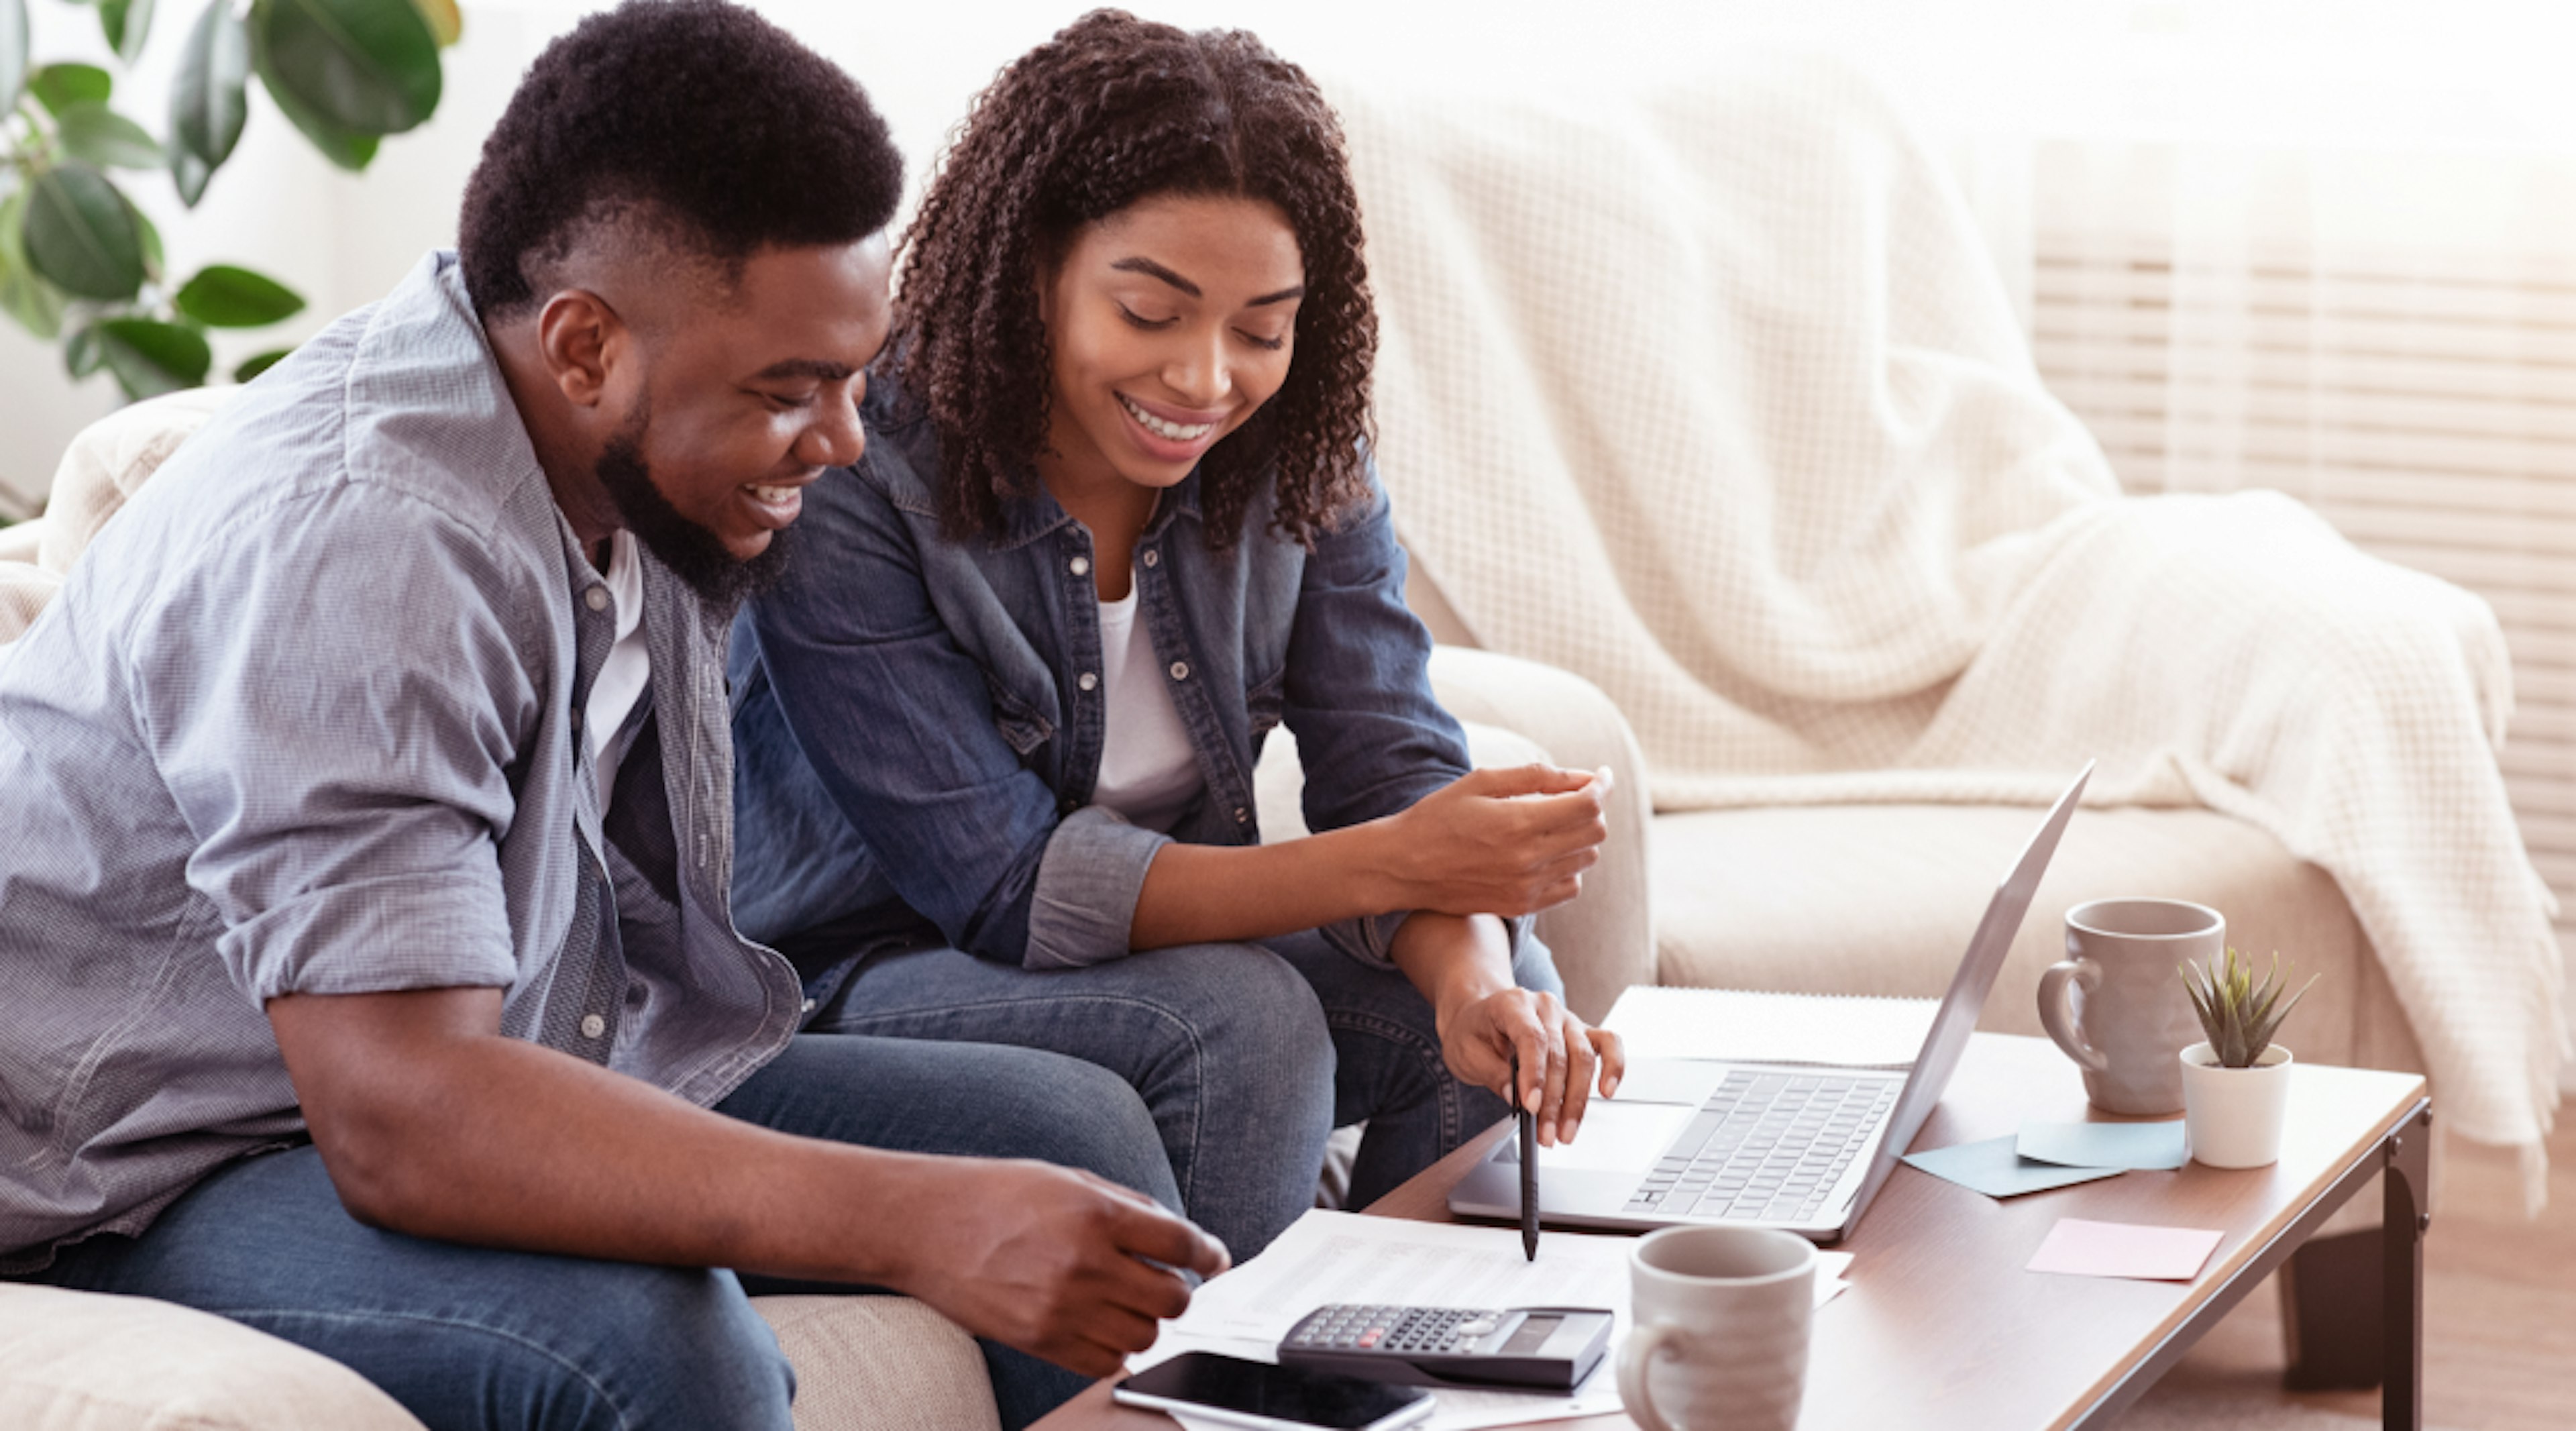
x=1214, y=894
x=1454, y=960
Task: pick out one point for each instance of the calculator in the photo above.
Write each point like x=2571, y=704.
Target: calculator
x=1536, y=1348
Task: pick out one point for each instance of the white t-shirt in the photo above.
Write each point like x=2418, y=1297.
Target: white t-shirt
x=1148, y=772
x=627, y=671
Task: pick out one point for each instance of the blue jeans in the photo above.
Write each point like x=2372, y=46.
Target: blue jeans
x=476, y=1339
x=1246, y=1055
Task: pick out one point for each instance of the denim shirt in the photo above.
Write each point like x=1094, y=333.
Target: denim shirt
x=918, y=722
x=304, y=721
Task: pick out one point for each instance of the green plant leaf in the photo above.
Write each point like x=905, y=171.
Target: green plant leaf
x=81, y=234
x=190, y=175
x=259, y=363
x=446, y=23
x=13, y=51
x=153, y=264
x=82, y=354
x=150, y=357
x=58, y=87
x=209, y=99
x=369, y=66
x=345, y=147
x=221, y=296
x=92, y=131
x=36, y=305
x=127, y=23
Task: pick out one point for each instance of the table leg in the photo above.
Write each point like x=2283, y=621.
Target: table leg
x=2407, y=1186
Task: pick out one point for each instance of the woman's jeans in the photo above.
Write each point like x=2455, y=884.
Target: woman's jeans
x=475, y=1339
x=1247, y=1055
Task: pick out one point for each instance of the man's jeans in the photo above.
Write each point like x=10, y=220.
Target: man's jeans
x=481, y=1340
x=1247, y=1055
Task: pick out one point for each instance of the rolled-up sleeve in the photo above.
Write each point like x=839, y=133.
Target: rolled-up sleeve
x=345, y=800
x=1372, y=736
x=896, y=723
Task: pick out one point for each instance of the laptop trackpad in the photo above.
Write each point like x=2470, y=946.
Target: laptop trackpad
x=1616, y=1137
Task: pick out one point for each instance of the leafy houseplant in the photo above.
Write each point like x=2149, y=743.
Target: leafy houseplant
x=2235, y=1087
x=2238, y=1015
x=81, y=264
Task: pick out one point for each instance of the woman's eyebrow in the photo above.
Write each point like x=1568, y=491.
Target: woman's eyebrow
x=1146, y=266
x=1141, y=264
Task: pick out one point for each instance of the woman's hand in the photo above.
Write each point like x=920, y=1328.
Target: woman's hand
x=1506, y=841
x=1561, y=1057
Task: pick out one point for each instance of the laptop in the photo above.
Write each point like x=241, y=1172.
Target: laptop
x=1803, y=1147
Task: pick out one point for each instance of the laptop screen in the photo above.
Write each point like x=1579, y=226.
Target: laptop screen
x=1967, y=996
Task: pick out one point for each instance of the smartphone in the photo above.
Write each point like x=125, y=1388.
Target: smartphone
x=1254, y=1393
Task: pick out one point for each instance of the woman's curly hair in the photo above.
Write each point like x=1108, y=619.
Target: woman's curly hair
x=1111, y=111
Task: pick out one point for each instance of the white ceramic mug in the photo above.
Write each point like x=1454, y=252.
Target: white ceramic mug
x=2116, y=1005
x=1720, y=1341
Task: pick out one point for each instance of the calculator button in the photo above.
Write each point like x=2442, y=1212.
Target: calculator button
x=1477, y=1328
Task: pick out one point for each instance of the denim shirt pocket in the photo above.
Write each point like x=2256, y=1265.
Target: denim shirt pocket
x=1020, y=724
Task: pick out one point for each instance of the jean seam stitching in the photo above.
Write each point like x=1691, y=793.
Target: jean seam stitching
x=1445, y=1089
x=245, y=1314
x=1198, y=1051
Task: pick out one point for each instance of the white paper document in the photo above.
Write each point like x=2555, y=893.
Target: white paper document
x=1328, y=1257
x=1746, y=1027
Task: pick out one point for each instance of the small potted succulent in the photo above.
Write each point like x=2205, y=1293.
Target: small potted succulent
x=2236, y=1086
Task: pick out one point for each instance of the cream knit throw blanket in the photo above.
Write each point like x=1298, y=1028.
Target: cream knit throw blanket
x=1713, y=396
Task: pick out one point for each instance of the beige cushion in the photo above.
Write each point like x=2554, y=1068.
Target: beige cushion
x=868, y=1362
x=1881, y=899
x=76, y=1361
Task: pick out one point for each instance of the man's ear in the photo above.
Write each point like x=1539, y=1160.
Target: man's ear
x=580, y=337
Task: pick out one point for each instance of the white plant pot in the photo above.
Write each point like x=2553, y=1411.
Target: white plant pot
x=2233, y=1116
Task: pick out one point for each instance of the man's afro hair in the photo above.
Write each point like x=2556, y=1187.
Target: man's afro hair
x=695, y=114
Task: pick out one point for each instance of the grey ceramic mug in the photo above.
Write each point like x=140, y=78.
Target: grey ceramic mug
x=2116, y=1004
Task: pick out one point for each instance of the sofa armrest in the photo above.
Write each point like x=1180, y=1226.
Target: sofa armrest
x=80, y=1361
x=1605, y=940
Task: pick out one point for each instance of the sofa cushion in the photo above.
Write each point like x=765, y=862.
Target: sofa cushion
x=867, y=1362
x=1881, y=899
x=79, y=1361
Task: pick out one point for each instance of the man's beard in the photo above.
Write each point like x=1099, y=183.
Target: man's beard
x=693, y=553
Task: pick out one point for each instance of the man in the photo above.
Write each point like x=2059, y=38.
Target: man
x=369, y=971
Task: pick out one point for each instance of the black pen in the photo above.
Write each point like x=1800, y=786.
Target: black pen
x=1529, y=1166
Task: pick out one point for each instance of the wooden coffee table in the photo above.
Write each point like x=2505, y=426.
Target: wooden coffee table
x=1941, y=1326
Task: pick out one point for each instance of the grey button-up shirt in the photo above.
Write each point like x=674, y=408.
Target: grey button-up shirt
x=303, y=720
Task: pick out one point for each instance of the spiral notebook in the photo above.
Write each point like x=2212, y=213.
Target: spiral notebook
x=1744, y=1026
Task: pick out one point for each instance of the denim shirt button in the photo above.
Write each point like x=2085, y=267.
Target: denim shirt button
x=1079, y=566
x=1180, y=670
x=1089, y=681
x=1151, y=557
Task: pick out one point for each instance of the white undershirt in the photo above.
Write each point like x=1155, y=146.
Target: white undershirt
x=623, y=676
x=1148, y=772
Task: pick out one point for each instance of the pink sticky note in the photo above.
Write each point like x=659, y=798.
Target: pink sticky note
x=2121, y=1249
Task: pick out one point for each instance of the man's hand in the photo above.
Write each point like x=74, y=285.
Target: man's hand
x=1561, y=1057
x=1049, y=1260
x=1500, y=841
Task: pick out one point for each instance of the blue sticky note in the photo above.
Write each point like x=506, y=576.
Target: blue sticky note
x=2104, y=1145
x=1995, y=1169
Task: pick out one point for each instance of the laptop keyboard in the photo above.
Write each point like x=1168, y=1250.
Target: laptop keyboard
x=1766, y=1147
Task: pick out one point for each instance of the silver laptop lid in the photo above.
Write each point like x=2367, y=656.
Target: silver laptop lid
x=1975, y=978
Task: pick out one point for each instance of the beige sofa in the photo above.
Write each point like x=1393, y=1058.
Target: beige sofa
x=70, y=1360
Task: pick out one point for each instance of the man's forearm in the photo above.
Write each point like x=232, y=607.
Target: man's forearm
x=478, y=1138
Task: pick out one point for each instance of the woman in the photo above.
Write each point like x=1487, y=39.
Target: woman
x=1116, y=519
